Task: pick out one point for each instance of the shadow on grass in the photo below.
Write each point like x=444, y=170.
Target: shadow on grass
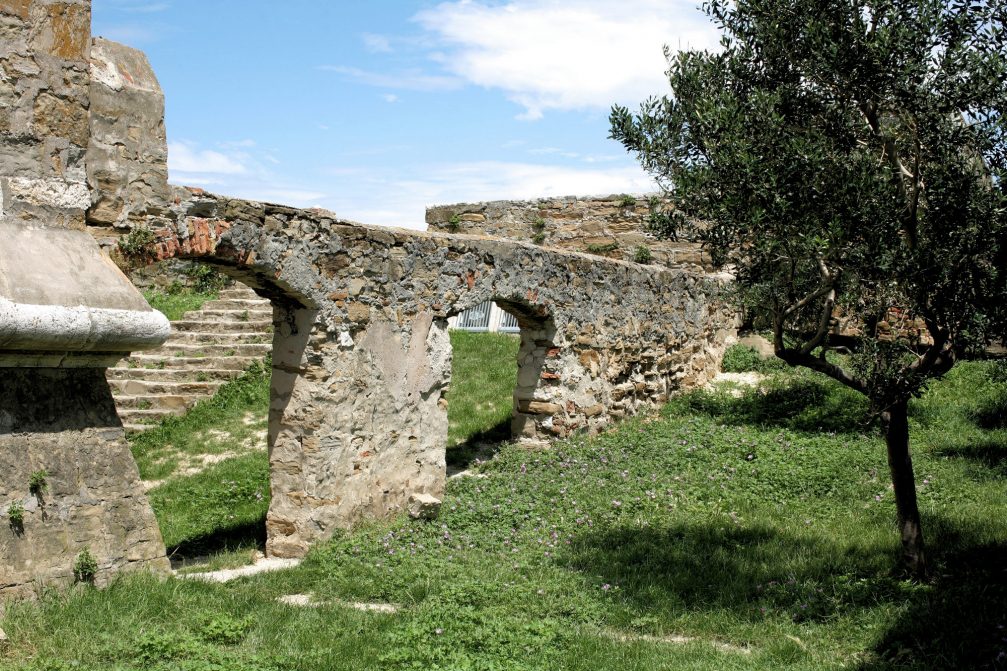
x=988, y=453
x=993, y=415
x=753, y=571
x=803, y=404
x=955, y=623
x=960, y=622
x=224, y=539
x=482, y=445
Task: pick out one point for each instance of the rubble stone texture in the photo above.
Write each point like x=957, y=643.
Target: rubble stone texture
x=127, y=170
x=611, y=226
x=65, y=313
x=361, y=354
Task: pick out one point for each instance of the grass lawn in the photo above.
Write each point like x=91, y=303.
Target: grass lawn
x=483, y=377
x=751, y=532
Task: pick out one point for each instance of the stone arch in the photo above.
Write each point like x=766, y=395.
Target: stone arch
x=537, y=343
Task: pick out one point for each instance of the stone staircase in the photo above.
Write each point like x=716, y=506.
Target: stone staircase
x=207, y=347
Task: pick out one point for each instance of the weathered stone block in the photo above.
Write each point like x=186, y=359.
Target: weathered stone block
x=424, y=506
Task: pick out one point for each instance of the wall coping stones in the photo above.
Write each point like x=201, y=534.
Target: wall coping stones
x=58, y=293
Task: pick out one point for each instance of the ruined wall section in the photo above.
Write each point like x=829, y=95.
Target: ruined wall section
x=358, y=421
x=66, y=312
x=611, y=226
x=127, y=155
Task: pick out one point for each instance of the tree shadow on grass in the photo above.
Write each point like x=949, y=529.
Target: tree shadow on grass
x=989, y=455
x=755, y=572
x=247, y=535
x=801, y=404
x=742, y=569
x=960, y=622
x=481, y=446
x=987, y=448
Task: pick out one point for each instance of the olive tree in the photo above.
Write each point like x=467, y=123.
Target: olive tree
x=846, y=159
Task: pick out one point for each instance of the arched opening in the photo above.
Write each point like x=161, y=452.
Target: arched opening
x=498, y=388
x=197, y=410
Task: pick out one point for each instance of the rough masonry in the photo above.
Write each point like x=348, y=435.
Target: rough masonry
x=362, y=357
x=614, y=226
x=361, y=354
x=66, y=313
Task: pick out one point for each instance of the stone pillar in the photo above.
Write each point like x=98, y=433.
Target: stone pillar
x=532, y=405
x=127, y=156
x=357, y=425
x=67, y=479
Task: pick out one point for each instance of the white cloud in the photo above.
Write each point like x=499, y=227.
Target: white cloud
x=184, y=157
x=566, y=54
x=401, y=200
x=378, y=44
x=294, y=197
x=411, y=80
x=390, y=98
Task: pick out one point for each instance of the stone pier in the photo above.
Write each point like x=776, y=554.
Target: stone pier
x=68, y=482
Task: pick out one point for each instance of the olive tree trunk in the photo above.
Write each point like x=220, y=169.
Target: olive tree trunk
x=900, y=462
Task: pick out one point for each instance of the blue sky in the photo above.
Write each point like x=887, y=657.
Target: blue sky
x=378, y=109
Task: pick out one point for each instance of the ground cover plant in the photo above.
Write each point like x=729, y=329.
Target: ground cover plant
x=847, y=161
x=749, y=532
x=483, y=377
x=174, y=304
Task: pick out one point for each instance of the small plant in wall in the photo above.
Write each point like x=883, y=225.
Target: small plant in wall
x=642, y=254
x=538, y=228
x=131, y=245
x=37, y=483
x=137, y=239
x=625, y=200
x=454, y=223
x=15, y=517
x=85, y=567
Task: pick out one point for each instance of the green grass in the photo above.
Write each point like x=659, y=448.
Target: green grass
x=218, y=508
x=232, y=421
x=176, y=304
x=757, y=530
x=483, y=377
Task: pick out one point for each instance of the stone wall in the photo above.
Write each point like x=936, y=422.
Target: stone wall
x=127, y=155
x=44, y=111
x=66, y=312
x=361, y=355
x=63, y=422
x=358, y=422
x=610, y=226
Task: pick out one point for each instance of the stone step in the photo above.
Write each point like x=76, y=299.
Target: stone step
x=196, y=350
x=236, y=304
x=238, y=289
x=134, y=387
x=136, y=417
x=189, y=338
x=222, y=326
x=207, y=347
x=172, y=375
x=228, y=314
x=176, y=403
x=163, y=362
x=136, y=428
